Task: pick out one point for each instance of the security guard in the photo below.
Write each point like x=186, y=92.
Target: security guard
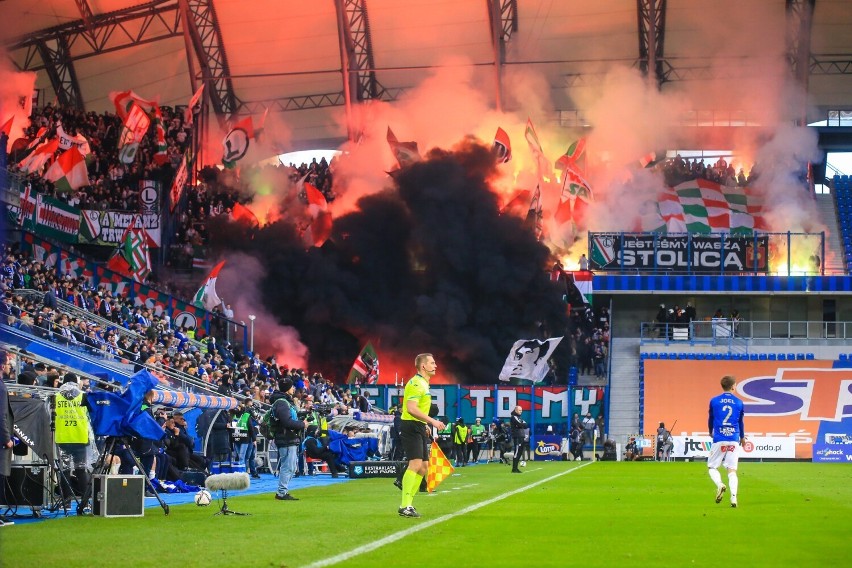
x=477, y=437
x=72, y=428
x=460, y=432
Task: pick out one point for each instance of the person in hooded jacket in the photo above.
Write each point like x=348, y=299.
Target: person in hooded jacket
x=288, y=436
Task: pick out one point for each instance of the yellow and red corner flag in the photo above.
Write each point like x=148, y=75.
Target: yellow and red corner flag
x=440, y=468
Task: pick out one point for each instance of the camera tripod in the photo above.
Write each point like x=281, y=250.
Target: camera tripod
x=103, y=464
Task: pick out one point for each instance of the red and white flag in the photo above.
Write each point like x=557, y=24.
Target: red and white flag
x=193, y=103
x=68, y=172
x=40, y=156
x=123, y=101
x=206, y=296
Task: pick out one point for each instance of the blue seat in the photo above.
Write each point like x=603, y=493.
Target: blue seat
x=762, y=357
x=809, y=356
x=771, y=356
x=800, y=356
x=844, y=357
x=781, y=357
x=754, y=356
x=643, y=356
x=791, y=356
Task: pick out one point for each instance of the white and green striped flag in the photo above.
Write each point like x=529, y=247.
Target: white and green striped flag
x=702, y=206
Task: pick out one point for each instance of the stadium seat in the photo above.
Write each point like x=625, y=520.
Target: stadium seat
x=771, y=356
x=791, y=356
x=800, y=356
x=691, y=356
x=643, y=355
x=762, y=357
x=781, y=357
x=653, y=355
x=843, y=357
x=754, y=356
x=809, y=356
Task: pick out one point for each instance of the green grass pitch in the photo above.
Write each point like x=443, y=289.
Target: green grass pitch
x=555, y=514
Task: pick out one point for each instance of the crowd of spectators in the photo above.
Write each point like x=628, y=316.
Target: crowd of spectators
x=677, y=170
x=112, y=184
x=218, y=191
x=138, y=335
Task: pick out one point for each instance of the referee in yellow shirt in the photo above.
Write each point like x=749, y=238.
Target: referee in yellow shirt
x=414, y=433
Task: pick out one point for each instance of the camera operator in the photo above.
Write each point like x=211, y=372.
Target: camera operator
x=316, y=447
x=287, y=436
x=179, y=444
x=71, y=432
x=520, y=435
x=247, y=448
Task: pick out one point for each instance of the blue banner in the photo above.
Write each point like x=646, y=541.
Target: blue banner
x=836, y=453
x=542, y=406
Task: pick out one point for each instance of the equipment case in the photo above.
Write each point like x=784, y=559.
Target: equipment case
x=118, y=495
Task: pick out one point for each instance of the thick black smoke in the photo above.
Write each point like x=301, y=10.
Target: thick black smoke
x=429, y=265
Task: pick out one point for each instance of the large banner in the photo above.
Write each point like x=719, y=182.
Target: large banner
x=46, y=216
x=57, y=220
x=803, y=400
x=678, y=253
x=107, y=227
x=543, y=406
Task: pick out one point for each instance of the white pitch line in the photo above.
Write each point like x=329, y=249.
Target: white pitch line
x=369, y=547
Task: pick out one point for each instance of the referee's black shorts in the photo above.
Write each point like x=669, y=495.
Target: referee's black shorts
x=415, y=440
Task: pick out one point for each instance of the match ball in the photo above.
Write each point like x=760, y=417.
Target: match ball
x=523, y=464
x=203, y=498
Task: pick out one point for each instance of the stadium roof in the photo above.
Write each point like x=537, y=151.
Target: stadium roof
x=286, y=55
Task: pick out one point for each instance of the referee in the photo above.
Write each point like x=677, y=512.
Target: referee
x=414, y=433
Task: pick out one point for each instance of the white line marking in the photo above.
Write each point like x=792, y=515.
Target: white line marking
x=344, y=556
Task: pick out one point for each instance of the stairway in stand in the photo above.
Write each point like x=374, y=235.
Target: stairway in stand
x=623, y=417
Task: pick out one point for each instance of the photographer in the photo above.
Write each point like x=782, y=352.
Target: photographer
x=287, y=436
x=665, y=443
x=179, y=444
x=316, y=447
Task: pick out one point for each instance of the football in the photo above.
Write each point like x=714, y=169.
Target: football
x=203, y=498
x=523, y=464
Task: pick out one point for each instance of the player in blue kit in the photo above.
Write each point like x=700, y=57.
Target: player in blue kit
x=726, y=427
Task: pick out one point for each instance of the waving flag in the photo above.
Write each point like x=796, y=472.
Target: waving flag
x=7, y=126
x=440, y=468
x=542, y=165
x=76, y=141
x=527, y=360
x=123, y=101
x=161, y=156
x=236, y=143
x=243, y=214
x=206, y=296
x=135, y=127
x=320, y=228
x=40, y=156
x=68, y=172
x=193, y=103
x=406, y=153
x=365, y=369
x=576, y=191
x=502, y=147
x=534, y=214
x=132, y=257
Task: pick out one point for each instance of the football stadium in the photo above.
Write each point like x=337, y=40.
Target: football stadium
x=425, y=282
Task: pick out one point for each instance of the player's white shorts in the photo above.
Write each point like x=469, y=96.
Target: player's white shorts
x=724, y=454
